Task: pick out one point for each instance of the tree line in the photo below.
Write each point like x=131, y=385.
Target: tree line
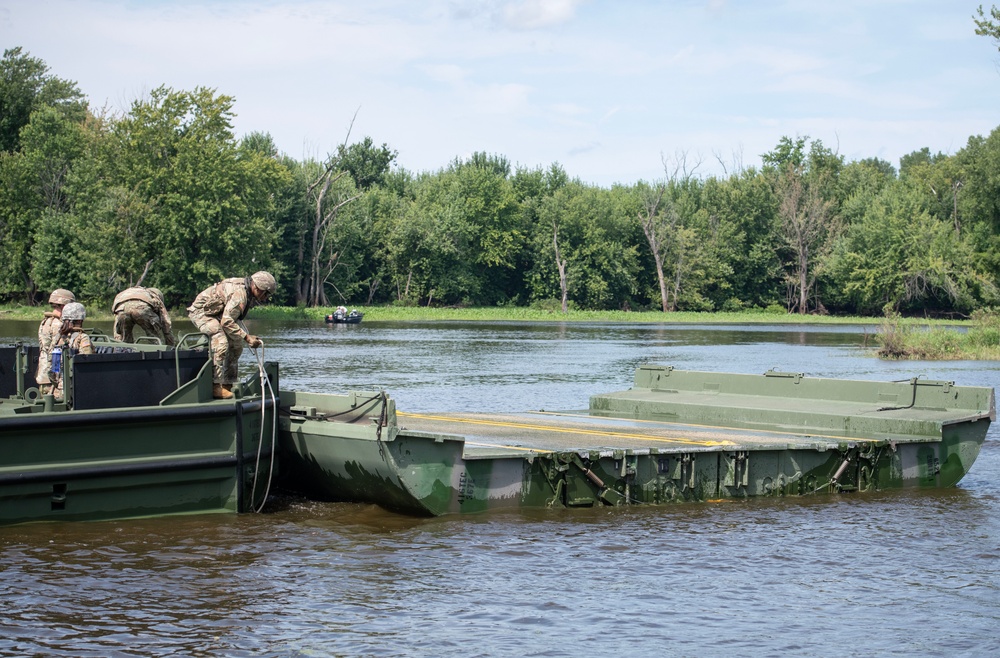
x=166, y=195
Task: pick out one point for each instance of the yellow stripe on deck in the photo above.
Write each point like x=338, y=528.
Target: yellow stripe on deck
x=715, y=427
x=564, y=430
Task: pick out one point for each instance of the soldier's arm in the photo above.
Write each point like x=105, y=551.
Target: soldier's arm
x=234, y=309
x=168, y=333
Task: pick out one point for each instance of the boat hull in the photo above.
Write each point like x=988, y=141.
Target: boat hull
x=344, y=319
x=641, y=447
x=188, y=454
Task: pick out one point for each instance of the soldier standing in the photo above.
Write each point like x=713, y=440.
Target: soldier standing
x=217, y=311
x=48, y=334
x=144, y=307
x=71, y=339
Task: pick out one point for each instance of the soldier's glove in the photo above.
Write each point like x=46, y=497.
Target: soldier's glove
x=253, y=341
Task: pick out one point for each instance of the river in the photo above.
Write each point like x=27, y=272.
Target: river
x=915, y=573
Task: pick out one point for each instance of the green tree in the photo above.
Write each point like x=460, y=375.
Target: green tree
x=745, y=209
x=201, y=208
x=26, y=86
x=977, y=167
x=36, y=182
x=988, y=26
x=366, y=163
x=897, y=253
x=806, y=188
x=596, y=245
x=460, y=238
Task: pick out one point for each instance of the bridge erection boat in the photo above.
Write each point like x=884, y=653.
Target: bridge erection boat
x=675, y=436
x=138, y=435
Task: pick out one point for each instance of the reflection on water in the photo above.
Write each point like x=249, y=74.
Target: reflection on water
x=907, y=573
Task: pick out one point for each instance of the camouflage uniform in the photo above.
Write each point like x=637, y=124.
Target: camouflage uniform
x=76, y=342
x=216, y=312
x=48, y=334
x=144, y=307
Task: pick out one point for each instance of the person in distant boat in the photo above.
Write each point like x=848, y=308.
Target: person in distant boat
x=48, y=334
x=218, y=311
x=143, y=307
x=71, y=339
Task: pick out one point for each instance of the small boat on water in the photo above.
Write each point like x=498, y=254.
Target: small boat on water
x=138, y=435
x=341, y=316
x=675, y=436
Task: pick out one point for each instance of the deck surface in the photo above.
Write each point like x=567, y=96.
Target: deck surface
x=492, y=435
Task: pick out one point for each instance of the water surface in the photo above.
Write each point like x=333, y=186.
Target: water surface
x=911, y=573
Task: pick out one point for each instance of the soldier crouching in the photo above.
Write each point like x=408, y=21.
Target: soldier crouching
x=143, y=307
x=217, y=312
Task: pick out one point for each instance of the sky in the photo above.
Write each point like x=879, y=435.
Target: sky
x=615, y=92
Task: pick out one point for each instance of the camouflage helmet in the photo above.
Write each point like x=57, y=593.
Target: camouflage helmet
x=61, y=296
x=264, y=281
x=156, y=293
x=74, y=311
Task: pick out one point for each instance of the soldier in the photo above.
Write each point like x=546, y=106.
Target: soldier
x=144, y=307
x=48, y=333
x=71, y=339
x=217, y=312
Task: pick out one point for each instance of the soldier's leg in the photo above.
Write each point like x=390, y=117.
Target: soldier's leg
x=219, y=347
x=217, y=344
x=117, y=332
x=233, y=362
x=149, y=320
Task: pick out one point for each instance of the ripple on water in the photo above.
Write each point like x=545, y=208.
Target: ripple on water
x=912, y=573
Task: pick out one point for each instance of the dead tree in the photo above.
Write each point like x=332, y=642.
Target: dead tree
x=561, y=264
x=323, y=260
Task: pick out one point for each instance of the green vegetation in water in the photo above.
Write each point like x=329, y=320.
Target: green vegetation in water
x=522, y=314
x=899, y=339
x=394, y=313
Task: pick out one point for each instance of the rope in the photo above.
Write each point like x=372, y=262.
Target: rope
x=265, y=383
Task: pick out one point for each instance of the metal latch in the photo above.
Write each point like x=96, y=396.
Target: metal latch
x=797, y=376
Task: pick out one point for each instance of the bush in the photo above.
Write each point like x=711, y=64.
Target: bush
x=733, y=305
x=776, y=309
x=892, y=336
x=985, y=330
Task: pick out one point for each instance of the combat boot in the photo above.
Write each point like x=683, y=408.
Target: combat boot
x=220, y=392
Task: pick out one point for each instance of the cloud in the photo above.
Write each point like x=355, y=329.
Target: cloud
x=502, y=98
x=601, y=87
x=449, y=73
x=516, y=15
x=537, y=14
x=583, y=149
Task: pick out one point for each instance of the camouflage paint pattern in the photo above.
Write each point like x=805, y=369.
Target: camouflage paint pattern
x=694, y=437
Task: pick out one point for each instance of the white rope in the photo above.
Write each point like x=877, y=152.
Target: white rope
x=265, y=381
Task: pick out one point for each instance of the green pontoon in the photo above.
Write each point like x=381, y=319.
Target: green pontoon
x=142, y=436
x=139, y=435
x=675, y=436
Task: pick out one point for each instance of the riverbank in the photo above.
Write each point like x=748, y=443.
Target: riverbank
x=520, y=314
x=895, y=337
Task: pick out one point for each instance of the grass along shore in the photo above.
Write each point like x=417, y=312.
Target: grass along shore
x=900, y=339
x=895, y=337
x=523, y=314
x=516, y=314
